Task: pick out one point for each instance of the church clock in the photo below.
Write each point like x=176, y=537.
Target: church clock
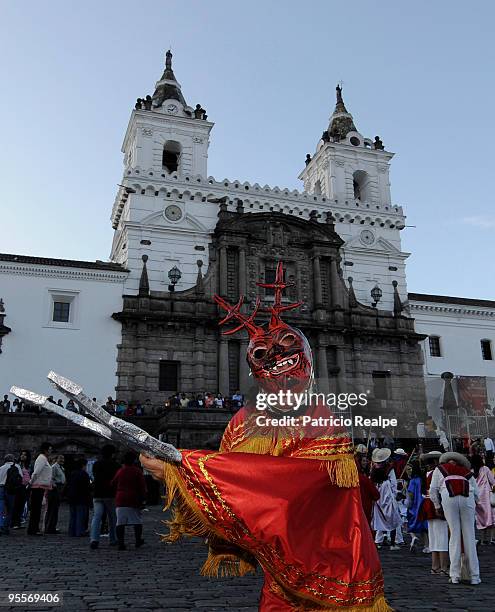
x=173, y=213
x=367, y=237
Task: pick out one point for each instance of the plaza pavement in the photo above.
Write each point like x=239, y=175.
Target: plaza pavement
x=166, y=576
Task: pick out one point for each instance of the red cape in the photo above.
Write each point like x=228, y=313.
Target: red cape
x=301, y=518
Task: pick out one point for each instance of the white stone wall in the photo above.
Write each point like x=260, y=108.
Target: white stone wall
x=84, y=350
x=460, y=329
x=140, y=216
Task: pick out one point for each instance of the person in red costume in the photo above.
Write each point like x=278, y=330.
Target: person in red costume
x=285, y=497
x=369, y=492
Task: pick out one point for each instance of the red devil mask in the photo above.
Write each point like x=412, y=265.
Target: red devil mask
x=279, y=355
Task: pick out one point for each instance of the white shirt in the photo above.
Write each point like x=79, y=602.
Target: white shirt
x=489, y=446
x=438, y=485
x=5, y=468
x=42, y=473
x=442, y=438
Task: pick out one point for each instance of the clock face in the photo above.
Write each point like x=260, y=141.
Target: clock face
x=367, y=237
x=172, y=108
x=173, y=212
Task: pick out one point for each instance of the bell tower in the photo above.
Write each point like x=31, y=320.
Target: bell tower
x=166, y=143
x=165, y=135
x=351, y=173
x=346, y=165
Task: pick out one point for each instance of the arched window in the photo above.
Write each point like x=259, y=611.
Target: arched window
x=361, y=185
x=171, y=156
x=317, y=189
x=357, y=189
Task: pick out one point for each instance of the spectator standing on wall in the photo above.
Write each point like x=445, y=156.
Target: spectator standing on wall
x=5, y=404
x=238, y=399
x=120, y=408
x=110, y=405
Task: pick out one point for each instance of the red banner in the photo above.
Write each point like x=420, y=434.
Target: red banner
x=472, y=394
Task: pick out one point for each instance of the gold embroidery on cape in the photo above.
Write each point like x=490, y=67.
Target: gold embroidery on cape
x=335, y=454
x=201, y=463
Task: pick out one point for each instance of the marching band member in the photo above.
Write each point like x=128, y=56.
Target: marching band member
x=454, y=491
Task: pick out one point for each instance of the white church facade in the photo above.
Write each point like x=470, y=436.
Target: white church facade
x=166, y=214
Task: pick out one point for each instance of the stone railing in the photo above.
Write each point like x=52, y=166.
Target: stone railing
x=254, y=196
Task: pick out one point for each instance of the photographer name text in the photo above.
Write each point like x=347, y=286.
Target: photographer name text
x=263, y=420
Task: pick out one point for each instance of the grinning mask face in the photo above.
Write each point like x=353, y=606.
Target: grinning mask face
x=279, y=355
x=280, y=359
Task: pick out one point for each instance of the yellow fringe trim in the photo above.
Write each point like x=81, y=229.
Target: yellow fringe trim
x=303, y=603
x=187, y=520
x=342, y=471
x=219, y=565
x=380, y=605
x=260, y=445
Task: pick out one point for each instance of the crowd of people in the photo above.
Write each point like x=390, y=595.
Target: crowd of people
x=441, y=500
x=437, y=498
x=122, y=408
x=31, y=494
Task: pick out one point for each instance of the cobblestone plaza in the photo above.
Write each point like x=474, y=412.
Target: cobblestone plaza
x=165, y=577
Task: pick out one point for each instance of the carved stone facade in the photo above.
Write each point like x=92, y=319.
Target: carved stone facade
x=353, y=344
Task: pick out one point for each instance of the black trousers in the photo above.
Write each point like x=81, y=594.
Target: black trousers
x=51, y=518
x=19, y=503
x=35, y=513
x=120, y=529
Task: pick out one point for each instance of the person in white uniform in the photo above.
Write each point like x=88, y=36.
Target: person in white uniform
x=386, y=515
x=453, y=491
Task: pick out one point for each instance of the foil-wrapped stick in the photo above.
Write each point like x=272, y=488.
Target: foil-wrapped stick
x=78, y=419
x=126, y=432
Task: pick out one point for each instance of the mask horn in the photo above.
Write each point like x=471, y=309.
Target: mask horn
x=278, y=286
x=234, y=312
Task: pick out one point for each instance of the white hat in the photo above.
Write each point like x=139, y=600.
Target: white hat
x=400, y=451
x=380, y=454
x=430, y=455
x=457, y=457
x=361, y=449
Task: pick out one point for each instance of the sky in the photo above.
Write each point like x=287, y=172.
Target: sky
x=419, y=74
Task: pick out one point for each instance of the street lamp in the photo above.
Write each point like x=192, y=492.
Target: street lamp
x=376, y=295
x=174, y=275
